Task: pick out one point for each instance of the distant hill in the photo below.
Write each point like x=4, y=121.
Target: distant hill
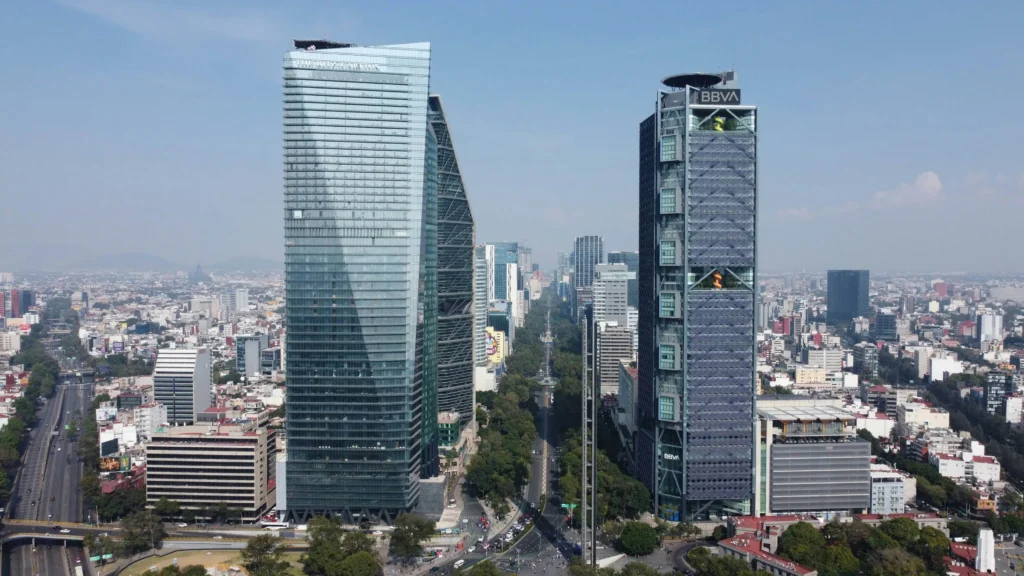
x=129, y=262
x=247, y=264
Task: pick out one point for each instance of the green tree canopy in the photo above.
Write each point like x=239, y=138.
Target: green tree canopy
x=360, y=564
x=638, y=539
x=803, y=544
x=409, y=534
x=262, y=556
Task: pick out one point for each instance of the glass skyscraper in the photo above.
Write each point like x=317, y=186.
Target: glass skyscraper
x=589, y=252
x=697, y=283
x=505, y=253
x=632, y=262
x=454, y=277
x=360, y=278
x=847, y=295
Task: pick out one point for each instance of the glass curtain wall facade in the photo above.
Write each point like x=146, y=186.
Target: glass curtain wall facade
x=481, y=275
x=455, y=237
x=632, y=262
x=847, y=295
x=360, y=278
x=589, y=251
x=505, y=253
x=696, y=331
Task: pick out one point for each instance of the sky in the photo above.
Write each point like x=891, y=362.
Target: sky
x=889, y=133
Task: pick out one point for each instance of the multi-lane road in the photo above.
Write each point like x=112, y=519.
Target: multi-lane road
x=48, y=486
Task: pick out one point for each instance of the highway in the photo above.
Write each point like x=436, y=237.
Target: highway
x=47, y=488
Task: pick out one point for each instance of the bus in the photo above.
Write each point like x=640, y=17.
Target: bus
x=78, y=571
x=269, y=525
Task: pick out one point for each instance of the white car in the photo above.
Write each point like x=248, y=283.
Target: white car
x=65, y=531
x=450, y=506
x=378, y=533
x=182, y=525
x=472, y=549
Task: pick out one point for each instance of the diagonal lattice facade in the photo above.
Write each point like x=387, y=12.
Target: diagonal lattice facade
x=455, y=237
x=697, y=338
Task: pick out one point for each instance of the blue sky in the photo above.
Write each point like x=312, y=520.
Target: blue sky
x=889, y=132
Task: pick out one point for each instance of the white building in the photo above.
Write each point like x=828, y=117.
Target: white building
x=877, y=423
x=148, y=418
x=990, y=327
x=887, y=492
x=984, y=469
x=942, y=367
x=830, y=360
x=611, y=283
x=916, y=414
x=10, y=341
x=843, y=380
x=948, y=465
x=242, y=300
x=1013, y=408
x=182, y=381
x=614, y=344
x=807, y=375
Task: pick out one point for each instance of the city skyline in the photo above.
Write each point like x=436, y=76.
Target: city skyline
x=202, y=153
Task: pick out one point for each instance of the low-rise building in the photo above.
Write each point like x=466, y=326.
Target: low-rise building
x=750, y=548
x=922, y=519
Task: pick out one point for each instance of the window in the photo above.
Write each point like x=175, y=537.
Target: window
x=297, y=214
x=666, y=408
x=668, y=305
x=668, y=201
x=668, y=357
x=668, y=252
x=668, y=148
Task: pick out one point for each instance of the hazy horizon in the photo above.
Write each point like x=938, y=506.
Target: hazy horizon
x=155, y=127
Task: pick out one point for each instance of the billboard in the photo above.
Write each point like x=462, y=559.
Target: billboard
x=111, y=464
x=109, y=447
x=118, y=346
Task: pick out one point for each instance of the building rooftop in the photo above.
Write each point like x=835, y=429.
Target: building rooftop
x=804, y=413
x=751, y=545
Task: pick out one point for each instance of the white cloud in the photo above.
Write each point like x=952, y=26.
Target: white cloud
x=158, y=21
x=926, y=189
x=795, y=214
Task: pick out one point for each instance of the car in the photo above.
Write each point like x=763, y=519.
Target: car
x=33, y=502
x=65, y=531
x=378, y=533
x=480, y=540
x=435, y=569
x=218, y=537
x=182, y=525
x=58, y=448
x=472, y=549
x=450, y=506
x=56, y=528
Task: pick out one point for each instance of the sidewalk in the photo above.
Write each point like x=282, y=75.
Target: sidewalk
x=506, y=524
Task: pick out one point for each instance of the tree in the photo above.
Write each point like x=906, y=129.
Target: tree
x=638, y=569
x=719, y=533
x=803, y=544
x=839, y=560
x=879, y=541
x=355, y=542
x=324, y=557
x=409, y=534
x=895, y=562
x=485, y=568
x=931, y=546
x=167, y=508
x=903, y=530
x=698, y=557
x=726, y=566
x=638, y=539
x=360, y=564
x=141, y=531
x=262, y=556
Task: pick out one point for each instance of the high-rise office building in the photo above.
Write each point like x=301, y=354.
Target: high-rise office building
x=505, y=254
x=241, y=300
x=632, y=262
x=611, y=290
x=847, y=295
x=990, y=327
x=483, y=276
x=886, y=326
x=562, y=267
x=360, y=278
x=614, y=345
x=698, y=230
x=248, y=348
x=455, y=239
x=589, y=251
x=183, y=382
x=525, y=263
